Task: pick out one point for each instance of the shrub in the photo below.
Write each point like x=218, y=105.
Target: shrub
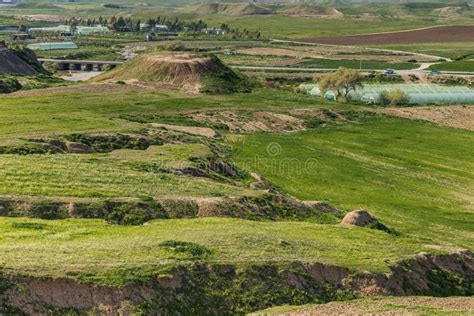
x=9, y=85
x=193, y=250
x=395, y=97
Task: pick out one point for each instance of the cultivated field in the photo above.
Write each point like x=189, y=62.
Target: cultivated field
x=441, y=34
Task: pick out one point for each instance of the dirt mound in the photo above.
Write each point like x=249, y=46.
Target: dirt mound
x=12, y=63
x=362, y=218
x=191, y=72
x=230, y=9
x=358, y=218
x=438, y=34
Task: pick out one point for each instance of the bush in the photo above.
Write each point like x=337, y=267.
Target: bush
x=395, y=97
x=193, y=250
x=9, y=85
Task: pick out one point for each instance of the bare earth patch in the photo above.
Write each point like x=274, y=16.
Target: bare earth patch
x=256, y=122
x=390, y=306
x=201, y=131
x=86, y=88
x=452, y=116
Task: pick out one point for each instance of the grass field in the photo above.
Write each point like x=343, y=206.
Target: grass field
x=448, y=50
x=414, y=176
x=98, y=108
x=78, y=246
x=464, y=65
x=119, y=175
x=252, y=60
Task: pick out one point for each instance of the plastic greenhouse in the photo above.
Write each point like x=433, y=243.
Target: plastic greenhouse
x=417, y=93
x=52, y=46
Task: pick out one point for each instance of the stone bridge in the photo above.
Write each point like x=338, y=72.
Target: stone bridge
x=81, y=65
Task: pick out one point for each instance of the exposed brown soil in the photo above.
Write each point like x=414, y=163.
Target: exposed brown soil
x=441, y=34
x=452, y=116
x=391, y=306
x=86, y=88
x=244, y=122
x=201, y=131
x=358, y=218
x=39, y=296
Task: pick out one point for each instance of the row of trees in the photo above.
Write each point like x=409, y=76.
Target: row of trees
x=127, y=24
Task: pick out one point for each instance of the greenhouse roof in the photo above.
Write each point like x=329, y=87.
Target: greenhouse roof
x=84, y=30
x=56, y=29
x=417, y=93
x=52, y=46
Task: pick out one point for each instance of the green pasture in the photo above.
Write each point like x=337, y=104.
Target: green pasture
x=415, y=177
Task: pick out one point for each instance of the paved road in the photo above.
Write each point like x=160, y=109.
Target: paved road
x=441, y=58
x=315, y=70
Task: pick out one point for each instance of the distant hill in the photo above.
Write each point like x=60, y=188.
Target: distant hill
x=230, y=9
x=310, y=10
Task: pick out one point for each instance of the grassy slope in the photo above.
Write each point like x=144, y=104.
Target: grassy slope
x=78, y=244
x=90, y=247
x=90, y=176
x=64, y=112
x=414, y=176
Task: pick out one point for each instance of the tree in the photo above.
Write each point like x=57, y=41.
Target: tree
x=342, y=82
x=394, y=97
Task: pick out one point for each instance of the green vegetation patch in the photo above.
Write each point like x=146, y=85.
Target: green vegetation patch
x=9, y=85
x=92, y=249
x=406, y=173
x=356, y=64
x=465, y=65
x=90, y=176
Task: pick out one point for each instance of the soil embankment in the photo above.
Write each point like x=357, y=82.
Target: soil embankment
x=185, y=289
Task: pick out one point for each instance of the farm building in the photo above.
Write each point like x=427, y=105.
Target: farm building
x=417, y=93
x=52, y=46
